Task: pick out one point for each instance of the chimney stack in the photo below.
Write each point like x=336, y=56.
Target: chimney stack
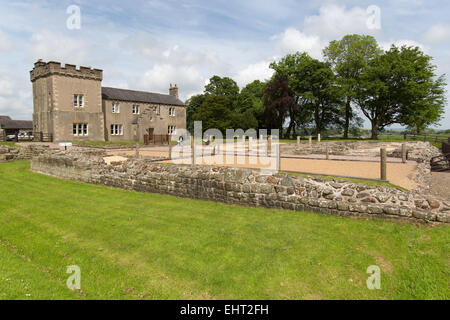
x=173, y=91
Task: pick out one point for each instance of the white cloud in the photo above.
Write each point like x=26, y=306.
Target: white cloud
x=438, y=33
x=49, y=45
x=146, y=46
x=258, y=71
x=158, y=79
x=15, y=97
x=404, y=42
x=336, y=21
x=5, y=42
x=293, y=40
x=332, y=22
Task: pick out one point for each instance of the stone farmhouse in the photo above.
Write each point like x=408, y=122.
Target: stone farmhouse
x=70, y=104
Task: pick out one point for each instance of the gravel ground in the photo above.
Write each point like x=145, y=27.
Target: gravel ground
x=440, y=184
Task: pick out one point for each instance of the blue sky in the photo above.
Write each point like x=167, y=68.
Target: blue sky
x=147, y=45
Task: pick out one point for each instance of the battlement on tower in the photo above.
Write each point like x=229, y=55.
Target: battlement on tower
x=44, y=69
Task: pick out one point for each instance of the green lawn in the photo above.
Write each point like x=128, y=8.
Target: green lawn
x=9, y=144
x=132, y=245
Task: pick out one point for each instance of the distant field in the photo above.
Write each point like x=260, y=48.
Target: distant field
x=437, y=142
x=132, y=245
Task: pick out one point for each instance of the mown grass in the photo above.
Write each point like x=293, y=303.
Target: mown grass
x=132, y=245
x=9, y=144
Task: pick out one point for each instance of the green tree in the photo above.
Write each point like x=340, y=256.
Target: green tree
x=249, y=105
x=278, y=99
x=216, y=112
x=400, y=87
x=422, y=93
x=316, y=94
x=222, y=87
x=349, y=57
x=192, y=106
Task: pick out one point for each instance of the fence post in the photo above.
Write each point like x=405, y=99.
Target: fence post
x=383, y=158
x=298, y=140
x=269, y=145
x=328, y=153
x=310, y=140
x=277, y=148
x=318, y=137
x=404, y=153
x=137, y=151
x=192, y=151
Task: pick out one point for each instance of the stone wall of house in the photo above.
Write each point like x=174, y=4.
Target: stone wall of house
x=246, y=187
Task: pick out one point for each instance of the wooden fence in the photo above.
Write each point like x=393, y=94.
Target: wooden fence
x=156, y=139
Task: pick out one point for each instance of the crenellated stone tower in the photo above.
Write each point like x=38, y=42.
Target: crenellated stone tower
x=67, y=101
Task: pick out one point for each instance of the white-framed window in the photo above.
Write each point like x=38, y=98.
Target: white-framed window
x=117, y=130
x=115, y=108
x=78, y=100
x=172, y=129
x=80, y=129
x=172, y=112
x=136, y=109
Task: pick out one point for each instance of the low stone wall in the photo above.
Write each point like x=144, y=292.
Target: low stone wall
x=246, y=187
x=25, y=153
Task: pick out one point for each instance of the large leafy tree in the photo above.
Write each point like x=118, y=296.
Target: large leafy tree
x=192, y=106
x=216, y=112
x=222, y=87
x=400, y=86
x=349, y=57
x=278, y=100
x=421, y=92
x=316, y=93
x=249, y=105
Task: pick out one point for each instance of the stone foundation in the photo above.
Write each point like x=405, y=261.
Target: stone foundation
x=26, y=153
x=246, y=187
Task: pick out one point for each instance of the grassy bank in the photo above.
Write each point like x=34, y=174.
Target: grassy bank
x=132, y=245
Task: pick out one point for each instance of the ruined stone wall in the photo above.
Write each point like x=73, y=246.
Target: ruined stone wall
x=246, y=187
x=26, y=153
x=419, y=151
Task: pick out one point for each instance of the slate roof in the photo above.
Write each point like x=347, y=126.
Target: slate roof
x=7, y=123
x=139, y=96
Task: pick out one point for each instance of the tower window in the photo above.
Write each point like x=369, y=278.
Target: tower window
x=78, y=100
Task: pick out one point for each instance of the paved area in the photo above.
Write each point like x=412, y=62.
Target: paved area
x=397, y=173
x=440, y=184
